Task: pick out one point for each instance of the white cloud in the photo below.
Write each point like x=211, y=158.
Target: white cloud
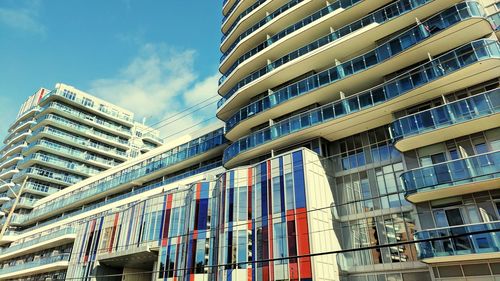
x=160, y=83
x=24, y=18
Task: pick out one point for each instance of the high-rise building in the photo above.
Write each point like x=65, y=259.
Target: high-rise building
x=361, y=142
x=61, y=137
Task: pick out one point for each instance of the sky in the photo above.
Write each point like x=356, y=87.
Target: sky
x=153, y=57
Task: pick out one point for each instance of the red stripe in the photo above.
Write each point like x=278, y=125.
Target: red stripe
x=303, y=241
x=113, y=233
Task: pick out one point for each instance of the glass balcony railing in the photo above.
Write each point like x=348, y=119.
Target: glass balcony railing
x=257, y=25
x=14, y=137
x=49, y=174
x=247, y=11
x=150, y=135
x=34, y=241
x=61, y=163
x=90, y=104
x=11, y=158
x=9, y=148
x=20, y=125
x=23, y=201
x=133, y=173
x=335, y=6
x=139, y=190
x=372, y=58
x=21, y=117
x=456, y=172
x=447, y=115
x=426, y=73
x=3, y=194
x=79, y=140
x=82, y=128
x=228, y=14
x=88, y=117
x=74, y=153
x=34, y=263
x=36, y=187
x=380, y=16
x=466, y=239
x=9, y=169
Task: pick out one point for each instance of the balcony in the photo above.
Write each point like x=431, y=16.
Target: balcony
x=7, y=173
x=59, y=164
x=22, y=126
x=66, y=151
x=43, y=241
x=4, y=198
x=468, y=175
x=152, y=138
x=104, y=111
x=464, y=117
x=373, y=108
x=83, y=130
x=286, y=30
x=47, y=175
x=249, y=12
x=13, y=149
x=41, y=265
x=77, y=141
x=11, y=160
x=24, y=202
x=93, y=121
x=371, y=67
x=33, y=188
x=17, y=137
x=27, y=114
x=340, y=44
x=470, y=242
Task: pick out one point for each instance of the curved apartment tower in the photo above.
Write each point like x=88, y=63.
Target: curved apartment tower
x=400, y=99
x=61, y=137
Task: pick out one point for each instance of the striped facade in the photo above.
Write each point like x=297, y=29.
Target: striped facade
x=215, y=230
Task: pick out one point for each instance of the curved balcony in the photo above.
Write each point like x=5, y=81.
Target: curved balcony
x=7, y=173
x=373, y=107
x=13, y=149
x=470, y=242
x=340, y=43
x=473, y=114
x=27, y=114
x=237, y=12
x=59, y=164
x=41, y=265
x=86, y=131
x=285, y=12
x=88, y=119
x=77, y=141
x=46, y=241
x=251, y=11
x=17, y=137
x=4, y=186
x=227, y=5
x=13, y=159
x=321, y=18
x=468, y=175
x=24, y=125
x=4, y=198
x=152, y=138
x=47, y=175
x=403, y=50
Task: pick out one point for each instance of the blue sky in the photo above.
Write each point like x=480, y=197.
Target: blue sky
x=154, y=57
